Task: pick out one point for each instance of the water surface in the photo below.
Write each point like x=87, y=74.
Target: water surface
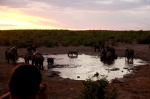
x=85, y=66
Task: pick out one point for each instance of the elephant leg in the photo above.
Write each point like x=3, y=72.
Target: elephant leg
x=14, y=62
x=33, y=62
x=41, y=66
x=49, y=63
x=8, y=60
x=27, y=61
x=132, y=57
x=128, y=59
x=36, y=64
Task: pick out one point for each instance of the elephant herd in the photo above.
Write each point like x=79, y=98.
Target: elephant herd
x=107, y=54
x=35, y=57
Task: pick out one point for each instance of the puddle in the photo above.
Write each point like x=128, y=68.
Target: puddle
x=85, y=66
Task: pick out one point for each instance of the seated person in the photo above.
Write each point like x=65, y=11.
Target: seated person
x=25, y=83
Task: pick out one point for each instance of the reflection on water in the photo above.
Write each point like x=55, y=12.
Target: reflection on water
x=86, y=66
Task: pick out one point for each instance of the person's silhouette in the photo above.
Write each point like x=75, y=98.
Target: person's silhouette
x=25, y=83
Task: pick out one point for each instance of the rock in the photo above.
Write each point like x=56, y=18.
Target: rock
x=118, y=80
x=53, y=74
x=112, y=69
x=72, y=89
x=96, y=74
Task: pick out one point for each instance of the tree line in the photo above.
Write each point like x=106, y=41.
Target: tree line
x=52, y=38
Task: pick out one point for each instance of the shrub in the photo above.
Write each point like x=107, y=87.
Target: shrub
x=97, y=89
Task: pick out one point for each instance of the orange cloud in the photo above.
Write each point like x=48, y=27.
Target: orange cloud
x=15, y=19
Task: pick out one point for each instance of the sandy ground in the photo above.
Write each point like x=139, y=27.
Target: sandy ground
x=135, y=86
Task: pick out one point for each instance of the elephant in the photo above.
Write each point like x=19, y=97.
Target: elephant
x=38, y=60
x=108, y=54
x=73, y=54
x=31, y=48
x=11, y=54
x=97, y=47
x=129, y=54
x=29, y=43
x=28, y=56
x=34, y=47
x=111, y=50
x=50, y=61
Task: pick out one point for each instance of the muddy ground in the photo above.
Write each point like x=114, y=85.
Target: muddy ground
x=135, y=86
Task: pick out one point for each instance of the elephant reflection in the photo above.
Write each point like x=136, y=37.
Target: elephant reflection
x=129, y=63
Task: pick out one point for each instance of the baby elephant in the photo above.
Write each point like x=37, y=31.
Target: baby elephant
x=50, y=61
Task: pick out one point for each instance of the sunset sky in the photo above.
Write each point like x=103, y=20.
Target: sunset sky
x=75, y=14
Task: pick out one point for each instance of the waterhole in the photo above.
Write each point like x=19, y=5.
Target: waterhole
x=86, y=66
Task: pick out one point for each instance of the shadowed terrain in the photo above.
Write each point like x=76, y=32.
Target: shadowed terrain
x=134, y=86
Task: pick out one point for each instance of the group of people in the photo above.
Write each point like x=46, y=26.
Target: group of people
x=26, y=83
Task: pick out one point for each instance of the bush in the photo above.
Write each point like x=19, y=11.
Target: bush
x=97, y=89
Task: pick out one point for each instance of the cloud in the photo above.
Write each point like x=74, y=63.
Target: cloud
x=79, y=14
x=14, y=3
x=78, y=4
x=7, y=25
x=96, y=4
